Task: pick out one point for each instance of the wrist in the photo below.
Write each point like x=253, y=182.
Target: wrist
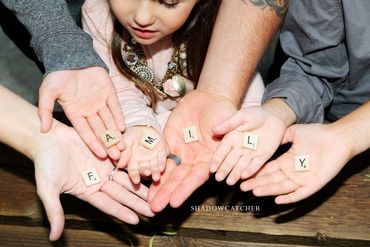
x=280, y=110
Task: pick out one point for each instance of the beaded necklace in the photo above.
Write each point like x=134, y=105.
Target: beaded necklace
x=176, y=68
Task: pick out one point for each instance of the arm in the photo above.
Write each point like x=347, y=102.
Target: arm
x=58, y=42
x=317, y=63
x=60, y=157
x=242, y=32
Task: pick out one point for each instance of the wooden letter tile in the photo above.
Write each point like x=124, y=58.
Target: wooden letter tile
x=149, y=141
x=190, y=134
x=302, y=163
x=250, y=140
x=109, y=138
x=90, y=177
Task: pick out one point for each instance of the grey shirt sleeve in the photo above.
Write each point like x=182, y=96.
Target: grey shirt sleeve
x=58, y=42
x=313, y=37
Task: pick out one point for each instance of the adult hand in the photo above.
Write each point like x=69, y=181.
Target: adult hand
x=328, y=152
x=60, y=157
x=204, y=111
x=231, y=159
x=89, y=100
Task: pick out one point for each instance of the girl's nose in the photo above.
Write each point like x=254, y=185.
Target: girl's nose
x=144, y=14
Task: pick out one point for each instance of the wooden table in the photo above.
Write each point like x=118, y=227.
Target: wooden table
x=339, y=215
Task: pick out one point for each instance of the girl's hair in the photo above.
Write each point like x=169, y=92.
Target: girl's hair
x=195, y=34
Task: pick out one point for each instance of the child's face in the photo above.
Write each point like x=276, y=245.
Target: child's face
x=149, y=21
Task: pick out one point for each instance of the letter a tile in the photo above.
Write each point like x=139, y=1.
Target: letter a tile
x=109, y=138
x=302, y=163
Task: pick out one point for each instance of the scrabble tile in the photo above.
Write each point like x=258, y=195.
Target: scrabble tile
x=250, y=140
x=302, y=163
x=190, y=134
x=149, y=141
x=109, y=138
x=90, y=177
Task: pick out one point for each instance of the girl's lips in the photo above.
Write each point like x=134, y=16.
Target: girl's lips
x=143, y=33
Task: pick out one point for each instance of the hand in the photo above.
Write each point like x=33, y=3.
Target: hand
x=141, y=160
x=89, y=100
x=177, y=183
x=231, y=159
x=328, y=152
x=60, y=158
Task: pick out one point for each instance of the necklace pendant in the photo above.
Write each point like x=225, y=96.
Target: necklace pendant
x=178, y=83
x=145, y=73
x=131, y=59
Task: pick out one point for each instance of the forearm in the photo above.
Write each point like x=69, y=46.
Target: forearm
x=281, y=110
x=19, y=123
x=242, y=32
x=58, y=42
x=354, y=128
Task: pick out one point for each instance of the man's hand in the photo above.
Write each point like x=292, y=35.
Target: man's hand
x=60, y=158
x=89, y=100
x=328, y=152
x=177, y=183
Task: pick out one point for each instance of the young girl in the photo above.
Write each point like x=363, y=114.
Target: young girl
x=155, y=50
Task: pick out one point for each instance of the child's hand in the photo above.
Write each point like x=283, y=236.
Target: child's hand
x=140, y=160
x=230, y=158
x=328, y=152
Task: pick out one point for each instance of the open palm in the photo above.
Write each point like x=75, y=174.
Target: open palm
x=177, y=183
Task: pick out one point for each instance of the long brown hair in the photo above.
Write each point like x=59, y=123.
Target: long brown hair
x=195, y=34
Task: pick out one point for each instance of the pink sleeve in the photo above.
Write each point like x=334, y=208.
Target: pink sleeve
x=98, y=22
x=253, y=96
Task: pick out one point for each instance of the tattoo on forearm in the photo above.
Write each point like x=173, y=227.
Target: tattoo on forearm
x=279, y=6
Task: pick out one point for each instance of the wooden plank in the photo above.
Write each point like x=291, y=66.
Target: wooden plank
x=339, y=214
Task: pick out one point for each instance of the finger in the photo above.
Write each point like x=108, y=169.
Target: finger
x=84, y=130
x=289, y=134
x=133, y=172
x=219, y=155
x=298, y=195
x=110, y=124
x=126, y=198
x=54, y=211
x=125, y=157
x=116, y=110
x=109, y=206
x=45, y=109
x=197, y=176
x=156, y=186
x=227, y=165
x=121, y=177
x=280, y=188
x=270, y=167
x=161, y=157
x=230, y=124
x=253, y=183
x=254, y=165
x=163, y=195
x=98, y=127
x=156, y=174
x=238, y=169
x=144, y=168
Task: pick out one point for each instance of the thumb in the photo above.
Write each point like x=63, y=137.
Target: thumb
x=230, y=124
x=289, y=134
x=46, y=107
x=54, y=211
